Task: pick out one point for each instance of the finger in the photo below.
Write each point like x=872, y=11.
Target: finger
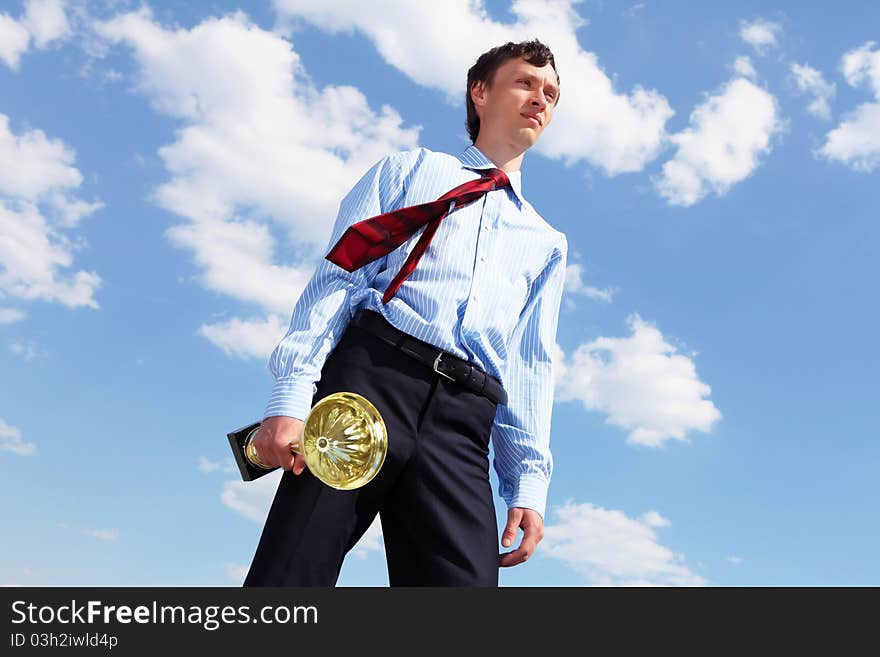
x=299, y=465
x=526, y=549
x=284, y=456
x=286, y=459
x=287, y=462
x=509, y=535
x=519, y=555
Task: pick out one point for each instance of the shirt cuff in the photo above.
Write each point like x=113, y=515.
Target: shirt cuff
x=530, y=492
x=291, y=397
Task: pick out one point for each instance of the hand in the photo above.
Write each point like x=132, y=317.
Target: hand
x=275, y=441
x=533, y=531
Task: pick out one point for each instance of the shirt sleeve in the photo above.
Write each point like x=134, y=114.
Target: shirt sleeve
x=521, y=431
x=323, y=311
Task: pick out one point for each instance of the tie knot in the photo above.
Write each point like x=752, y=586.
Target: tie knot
x=498, y=177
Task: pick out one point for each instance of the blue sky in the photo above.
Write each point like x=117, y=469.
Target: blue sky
x=169, y=173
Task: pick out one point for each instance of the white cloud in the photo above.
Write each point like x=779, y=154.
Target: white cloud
x=742, y=66
x=26, y=350
x=207, y=465
x=43, y=166
x=856, y=141
x=33, y=256
x=11, y=441
x=371, y=541
x=810, y=80
x=611, y=549
x=68, y=211
x=234, y=257
x=634, y=11
x=574, y=284
x=760, y=34
x=640, y=383
x=736, y=561
x=36, y=208
x=654, y=519
x=255, y=338
x=14, y=39
x=43, y=21
x=10, y=315
x=862, y=64
x=46, y=21
x=616, y=131
x=237, y=572
x=252, y=499
x=722, y=145
x=103, y=534
x=261, y=154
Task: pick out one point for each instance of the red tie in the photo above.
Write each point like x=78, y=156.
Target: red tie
x=377, y=236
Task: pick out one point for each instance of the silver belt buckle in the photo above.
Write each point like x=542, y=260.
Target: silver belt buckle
x=437, y=363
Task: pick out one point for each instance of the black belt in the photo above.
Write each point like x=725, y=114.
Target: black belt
x=445, y=364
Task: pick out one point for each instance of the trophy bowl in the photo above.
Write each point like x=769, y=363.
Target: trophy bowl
x=344, y=442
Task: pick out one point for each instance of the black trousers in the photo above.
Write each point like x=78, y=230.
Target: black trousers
x=432, y=494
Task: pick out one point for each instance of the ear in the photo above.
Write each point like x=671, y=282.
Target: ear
x=478, y=93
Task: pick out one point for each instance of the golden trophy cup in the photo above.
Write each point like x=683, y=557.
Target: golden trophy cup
x=344, y=442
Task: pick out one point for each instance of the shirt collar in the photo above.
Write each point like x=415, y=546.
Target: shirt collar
x=473, y=158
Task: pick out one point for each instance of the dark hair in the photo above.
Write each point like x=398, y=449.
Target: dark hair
x=534, y=52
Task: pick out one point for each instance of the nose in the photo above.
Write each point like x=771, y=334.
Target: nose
x=539, y=101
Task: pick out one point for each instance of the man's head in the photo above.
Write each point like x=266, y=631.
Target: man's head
x=512, y=91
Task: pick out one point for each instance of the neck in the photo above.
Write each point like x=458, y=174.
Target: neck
x=505, y=156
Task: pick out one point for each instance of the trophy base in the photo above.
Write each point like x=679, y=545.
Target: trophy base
x=237, y=441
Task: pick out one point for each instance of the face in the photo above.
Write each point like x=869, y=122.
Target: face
x=519, y=104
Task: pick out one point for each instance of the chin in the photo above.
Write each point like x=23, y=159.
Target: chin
x=528, y=140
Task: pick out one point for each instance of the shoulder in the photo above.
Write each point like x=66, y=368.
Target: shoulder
x=422, y=174
x=553, y=237
x=416, y=158
x=397, y=170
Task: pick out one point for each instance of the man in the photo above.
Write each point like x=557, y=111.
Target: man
x=452, y=344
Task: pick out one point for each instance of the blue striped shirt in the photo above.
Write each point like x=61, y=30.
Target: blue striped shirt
x=488, y=290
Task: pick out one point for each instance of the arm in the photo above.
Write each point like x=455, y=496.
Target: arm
x=521, y=432
x=319, y=319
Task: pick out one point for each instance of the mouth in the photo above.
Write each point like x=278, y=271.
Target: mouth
x=533, y=120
